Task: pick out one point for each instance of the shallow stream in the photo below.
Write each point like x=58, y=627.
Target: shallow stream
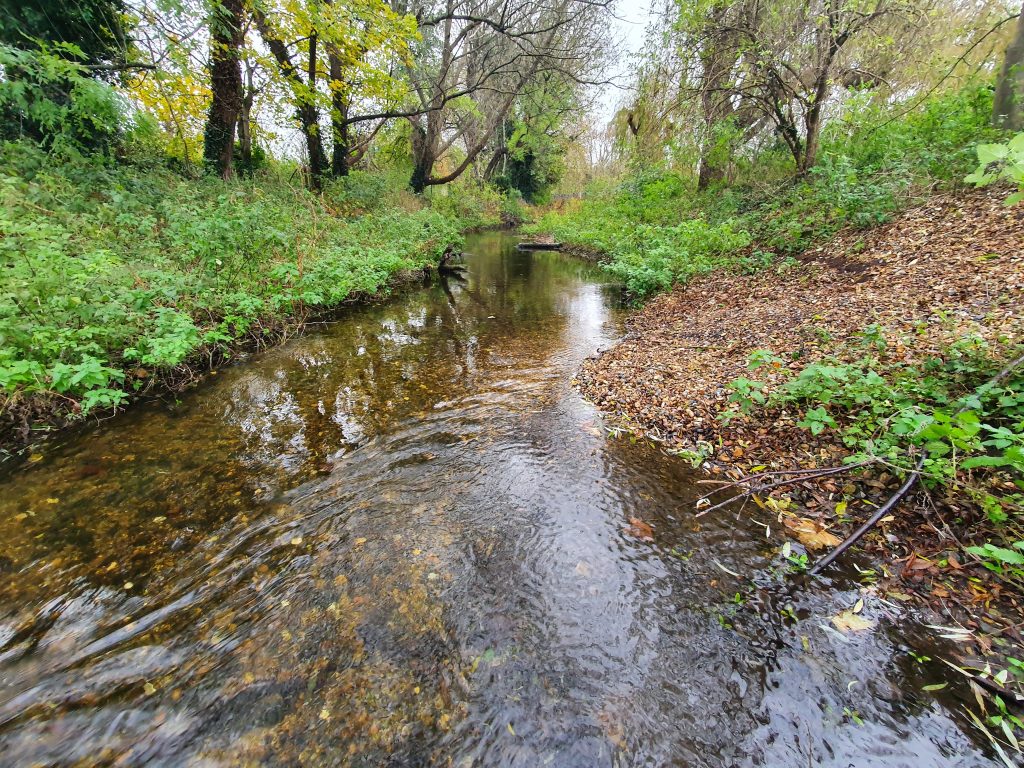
x=403, y=539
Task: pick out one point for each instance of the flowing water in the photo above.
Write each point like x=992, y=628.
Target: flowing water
x=404, y=540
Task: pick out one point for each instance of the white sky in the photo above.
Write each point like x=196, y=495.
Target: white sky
x=632, y=17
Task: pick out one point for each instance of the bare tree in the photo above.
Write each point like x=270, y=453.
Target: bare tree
x=477, y=56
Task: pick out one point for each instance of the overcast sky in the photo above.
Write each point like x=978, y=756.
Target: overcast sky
x=628, y=29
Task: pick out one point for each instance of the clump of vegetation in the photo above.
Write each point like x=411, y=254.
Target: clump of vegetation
x=955, y=406
x=637, y=226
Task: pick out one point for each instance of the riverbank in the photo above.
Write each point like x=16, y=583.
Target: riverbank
x=812, y=364
x=123, y=280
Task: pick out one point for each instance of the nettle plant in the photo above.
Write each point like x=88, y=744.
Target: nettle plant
x=881, y=409
x=1001, y=162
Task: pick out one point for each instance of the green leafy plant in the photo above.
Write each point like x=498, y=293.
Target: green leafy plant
x=1000, y=559
x=1001, y=161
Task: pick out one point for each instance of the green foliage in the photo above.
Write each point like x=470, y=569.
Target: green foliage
x=631, y=226
x=1001, y=161
x=870, y=165
x=49, y=99
x=882, y=407
x=95, y=27
x=475, y=205
x=109, y=268
x=1002, y=560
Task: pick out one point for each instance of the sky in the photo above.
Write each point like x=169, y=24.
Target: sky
x=628, y=30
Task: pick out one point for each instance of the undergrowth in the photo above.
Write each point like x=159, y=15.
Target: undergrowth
x=113, y=274
x=963, y=408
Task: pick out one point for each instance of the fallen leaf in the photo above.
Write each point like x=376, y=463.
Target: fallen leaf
x=639, y=529
x=848, y=621
x=811, y=533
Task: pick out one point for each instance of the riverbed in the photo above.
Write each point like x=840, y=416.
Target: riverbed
x=404, y=539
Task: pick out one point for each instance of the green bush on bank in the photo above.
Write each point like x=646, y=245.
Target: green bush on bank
x=638, y=227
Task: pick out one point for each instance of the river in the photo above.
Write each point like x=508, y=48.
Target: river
x=403, y=539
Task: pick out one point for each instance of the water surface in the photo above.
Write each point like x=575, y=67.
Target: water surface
x=404, y=539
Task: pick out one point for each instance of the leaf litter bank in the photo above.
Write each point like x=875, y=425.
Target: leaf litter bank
x=947, y=273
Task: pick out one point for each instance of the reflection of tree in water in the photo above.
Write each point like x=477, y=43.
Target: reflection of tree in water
x=387, y=363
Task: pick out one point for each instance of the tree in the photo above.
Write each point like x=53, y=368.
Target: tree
x=1006, y=107
x=725, y=74
x=476, y=57
x=94, y=27
x=226, y=38
x=358, y=45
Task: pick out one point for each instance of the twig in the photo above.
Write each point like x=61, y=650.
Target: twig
x=779, y=484
x=881, y=512
x=775, y=473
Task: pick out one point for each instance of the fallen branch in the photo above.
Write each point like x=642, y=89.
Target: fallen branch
x=881, y=512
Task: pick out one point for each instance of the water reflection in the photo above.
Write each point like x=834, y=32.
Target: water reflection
x=403, y=540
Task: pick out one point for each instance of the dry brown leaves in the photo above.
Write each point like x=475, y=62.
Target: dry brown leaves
x=952, y=266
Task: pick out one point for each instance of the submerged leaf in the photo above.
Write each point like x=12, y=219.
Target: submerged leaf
x=848, y=621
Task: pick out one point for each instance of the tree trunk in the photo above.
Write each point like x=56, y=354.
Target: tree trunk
x=1006, y=107
x=308, y=114
x=718, y=59
x=339, y=119
x=709, y=173
x=812, y=131
x=311, y=125
x=245, y=123
x=309, y=120
x=425, y=140
x=226, y=37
